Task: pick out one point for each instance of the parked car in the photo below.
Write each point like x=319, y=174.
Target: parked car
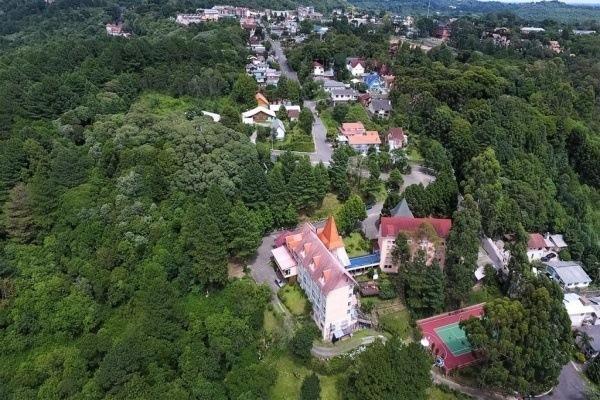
x=279, y=283
x=548, y=257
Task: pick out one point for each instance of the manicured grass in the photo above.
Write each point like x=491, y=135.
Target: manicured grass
x=330, y=206
x=396, y=323
x=294, y=299
x=290, y=375
x=356, y=245
x=296, y=140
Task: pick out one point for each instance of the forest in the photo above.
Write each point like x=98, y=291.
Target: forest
x=124, y=210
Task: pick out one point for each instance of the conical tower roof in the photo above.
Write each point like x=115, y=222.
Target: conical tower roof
x=329, y=235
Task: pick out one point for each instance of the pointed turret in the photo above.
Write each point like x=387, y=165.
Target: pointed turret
x=329, y=235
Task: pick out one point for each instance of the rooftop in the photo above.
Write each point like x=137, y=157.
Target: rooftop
x=369, y=137
x=391, y=226
x=569, y=272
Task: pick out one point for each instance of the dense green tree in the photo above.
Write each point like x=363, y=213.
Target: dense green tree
x=389, y=371
x=504, y=336
x=243, y=90
x=305, y=120
x=350, y=214
x=462, y=252
x=254, y=189
x=302, y=341
x=304, y=189
x=311, y=388
x=245, y=231
x=18, y=214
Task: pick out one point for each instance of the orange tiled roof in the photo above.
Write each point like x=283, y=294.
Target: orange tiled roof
x=329, y=235
x=369, y=137
x=261, y=99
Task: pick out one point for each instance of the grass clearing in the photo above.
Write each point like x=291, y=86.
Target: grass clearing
x=270, y=321
x=296, y=140
x=356, y=245
x=444, y=393
x=350, y=343
x=483, y=295
x=396, y=323
x=330, y=123
x=294, y=299
x=330, y=206
x=162, y=104
x=290, y=375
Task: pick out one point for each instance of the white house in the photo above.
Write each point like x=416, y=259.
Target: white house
x=318, y=69
x=343, y=95
x=356, y=66
x=579, y=313
x=258, y=115
x=316, y=258
x=278, y=129
x=569, y=274
x=396, y=139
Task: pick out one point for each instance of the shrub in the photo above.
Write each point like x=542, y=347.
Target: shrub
x=301, y=343
x=367, y=305
x=593, y=370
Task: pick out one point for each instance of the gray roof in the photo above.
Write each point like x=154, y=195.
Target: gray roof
x=401, y=210
x=277, y=123
x=330, y=83
x=346, y=92
x=381, y=105
x=569, y=272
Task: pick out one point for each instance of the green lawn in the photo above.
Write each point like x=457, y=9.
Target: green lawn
x=331, y=124
x=396, y=323
x=294, y=299
x=350, y=343
x=270, y=321
x=330, y=206
x=289, y=379
x=296, y=140
x=162, y=104
x=483, y=295
x=356, y=245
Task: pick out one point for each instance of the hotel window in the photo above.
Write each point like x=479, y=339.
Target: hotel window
x=349, y=303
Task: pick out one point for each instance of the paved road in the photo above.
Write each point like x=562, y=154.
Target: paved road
x=326, y=352
x=282, y=61
x=571, y=385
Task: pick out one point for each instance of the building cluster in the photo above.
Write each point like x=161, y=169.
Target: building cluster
x=265, y=114
x=116, y=30
x=317, y=260
x=261, y=71
x=214, y=14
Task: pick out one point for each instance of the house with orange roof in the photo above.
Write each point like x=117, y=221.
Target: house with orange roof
x=352, y=128
x=363, y=142
x=318, y=260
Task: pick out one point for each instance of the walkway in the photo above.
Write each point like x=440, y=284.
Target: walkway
x=345, y=346
x=471, y=391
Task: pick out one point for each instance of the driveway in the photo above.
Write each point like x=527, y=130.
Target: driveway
x=571, y=385
x=417, y=175
x=369, y=225
x=282, y=61
x=260, y=268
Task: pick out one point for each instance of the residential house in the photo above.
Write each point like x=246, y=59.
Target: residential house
x=591, y=347
x=554, y=46
x=580, y=310
x=442, y=32
x=313, y=257
x=215, y=117
x=352, y=128
x=375, y=83
x=343, y=95
x=424, y=234
x=261, y=100
x=581, y=32
x=318, y=69
x=277, y=129
x=396, y=139
x=380, y=108
x=568, y=274
x=356, y=66
x=258, y=115
x=363, y=142
x=526, y=30
x=536, y=247
x=555, y=242
x=258, y=48
x=248, y=23
x=330, y=84
x=116, y=30
x=293, y=111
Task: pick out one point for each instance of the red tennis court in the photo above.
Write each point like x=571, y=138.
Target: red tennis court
x=447, y=341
